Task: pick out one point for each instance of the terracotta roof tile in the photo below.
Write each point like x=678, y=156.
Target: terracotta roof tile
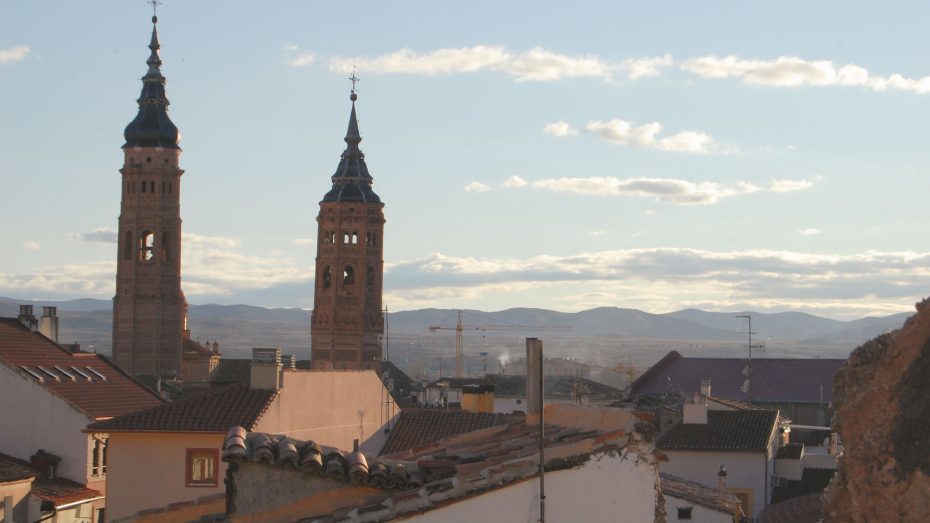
x=61, y=491
x=75, y=377
x=725, y=430
x=14, y=469
x=451, y=468
x=418, y=427
x=215, y=410
x=695, y=492
x=803, y=509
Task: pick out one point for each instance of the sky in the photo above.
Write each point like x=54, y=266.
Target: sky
x=650, y=155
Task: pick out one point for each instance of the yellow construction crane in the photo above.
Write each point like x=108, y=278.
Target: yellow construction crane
x=460, y=329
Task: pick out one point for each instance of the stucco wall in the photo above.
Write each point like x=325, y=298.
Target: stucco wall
x=605, y=489
x=34, y=418
x=147, y=470
x=332, y=408
x=744, y=470
x=18, y=492
x=699, y=513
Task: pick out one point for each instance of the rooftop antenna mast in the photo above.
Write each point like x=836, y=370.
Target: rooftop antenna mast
x=747, y=386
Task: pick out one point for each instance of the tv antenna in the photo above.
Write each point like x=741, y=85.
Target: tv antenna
x=747, y=385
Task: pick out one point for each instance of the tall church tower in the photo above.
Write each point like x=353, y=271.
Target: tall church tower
x=149, y=309
x=347, y=321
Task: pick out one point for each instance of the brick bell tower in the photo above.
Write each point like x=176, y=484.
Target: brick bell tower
x=149, y=309
x=347, y=322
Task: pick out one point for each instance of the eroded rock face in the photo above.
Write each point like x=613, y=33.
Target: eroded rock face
x=881, y=402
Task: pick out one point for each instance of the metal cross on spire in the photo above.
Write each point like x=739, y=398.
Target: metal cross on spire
x=155, y=4
x=353, y=78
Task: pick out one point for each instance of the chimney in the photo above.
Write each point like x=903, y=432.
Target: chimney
x=834, y=443
x=534, y=376
x=27, y=318
x=266, y=368
x=705, y=388
x=48, y=325
x=722, y=482
x=45, y=463
x=478, y=398
x=289, y=361
x=694, y=412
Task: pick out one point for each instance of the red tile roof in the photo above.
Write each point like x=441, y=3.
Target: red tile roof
x=75, y=377
x=794, y=380
x=447, y=470
x=803, y=509
x=695, y=492
x=61, y=491
x=417, y=427
x=14, y=469
x=216, y=410
x=725, y=430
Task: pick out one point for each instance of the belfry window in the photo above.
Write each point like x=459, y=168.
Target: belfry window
x=152, y=186
x=348, y=275
x=146, y=245
x=370, y=279
x=345, y=237
x=327, y=277
x=354, y=237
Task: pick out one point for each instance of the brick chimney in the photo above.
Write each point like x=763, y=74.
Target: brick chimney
x=45, y=463
x=478, y=398
x=266, y=368
x=27, y=318
x=722, y=483
x=48, y=324
x=534, y=383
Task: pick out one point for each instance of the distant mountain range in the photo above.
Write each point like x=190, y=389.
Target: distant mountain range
x=240, y=327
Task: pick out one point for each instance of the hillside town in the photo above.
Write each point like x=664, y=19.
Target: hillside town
x=169, y=429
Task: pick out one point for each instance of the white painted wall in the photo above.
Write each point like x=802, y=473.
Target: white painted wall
x=147, y=470
x=744, y=470
x=699, y=513
x=605, y=489
x=789, y=468
x=34, y=418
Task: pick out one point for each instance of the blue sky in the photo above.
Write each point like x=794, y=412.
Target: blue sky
x=654, y=155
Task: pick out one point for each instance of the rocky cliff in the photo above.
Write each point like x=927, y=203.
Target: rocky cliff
x=882, y=411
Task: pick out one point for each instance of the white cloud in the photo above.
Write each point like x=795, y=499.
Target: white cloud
x=645, y=67
x=290, y=47
x=30, y=245
x=646, y=137
x=301, y=60
x=790, y=185
x=191, y=239
x=649, y=212
x=809, y=232
x=514, y=182
x=98, y=235
x=477, y=187
x=303, y=241
x=536, y=64
x=672, y=278
x=595, y=233
x=13, y=54
x=790, y=71
x=560, y=129
x=669, y=190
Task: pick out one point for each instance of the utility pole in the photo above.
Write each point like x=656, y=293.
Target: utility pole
x=750, y=346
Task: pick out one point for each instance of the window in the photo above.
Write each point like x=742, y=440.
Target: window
x=152, y=186
x=327, y=277
x=370, y=279
x=146, y=246
x=202, y=467
x=348, y=275
x=684, y=513
x=98, y=457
